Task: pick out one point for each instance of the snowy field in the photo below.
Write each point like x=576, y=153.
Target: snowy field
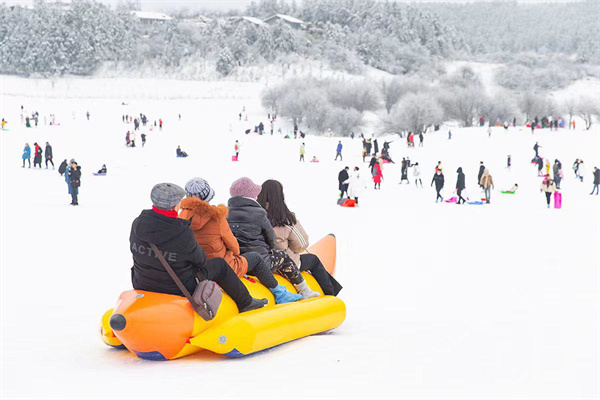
x=443, y=301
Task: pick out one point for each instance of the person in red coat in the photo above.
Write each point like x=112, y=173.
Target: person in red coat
x=377, y=174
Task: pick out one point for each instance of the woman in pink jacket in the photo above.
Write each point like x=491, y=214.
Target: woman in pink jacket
x=291, y=236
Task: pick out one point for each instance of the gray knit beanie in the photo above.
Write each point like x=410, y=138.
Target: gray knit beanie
x=198, y=187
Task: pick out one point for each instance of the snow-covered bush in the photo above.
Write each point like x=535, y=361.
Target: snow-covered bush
x=415, y=112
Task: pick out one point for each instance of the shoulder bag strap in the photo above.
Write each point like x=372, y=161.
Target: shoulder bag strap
x=174, y=276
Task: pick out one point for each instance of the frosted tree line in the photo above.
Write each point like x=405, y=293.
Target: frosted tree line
x=414, y=103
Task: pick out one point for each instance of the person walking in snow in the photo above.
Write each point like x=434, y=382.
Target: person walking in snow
x=37, y=159
x=302, y=152
x=460, y=185
x=143, y=139
x=540, y=164
x=480, y=174
x=581, y=170
x=576, y=167
x=236, y=148
x=449, y=134
x=26, y=155
x=87, y=114
x=292, y=238
x=250, y=225
x=548, y=187
x=74, y=175
x=342, y=178
x=420, y=139
x=377, y=175
x=417, y=174
x=508, y=162
x=596, y=180
x=132, y=137
x=372, y=163
x=48, y=153
x=488, y=184
x=127, y=139
x=438, y=179
x=547, y=167
x=557, y=172
x=375, y=147
x=536, y=148
x=160, y=124
x=404, y=171
x=338, y=151
x=213, y=234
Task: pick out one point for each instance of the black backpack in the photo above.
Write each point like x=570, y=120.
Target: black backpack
x=62, y=168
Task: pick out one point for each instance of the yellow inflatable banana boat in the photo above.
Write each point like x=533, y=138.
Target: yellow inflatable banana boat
x=157, y=326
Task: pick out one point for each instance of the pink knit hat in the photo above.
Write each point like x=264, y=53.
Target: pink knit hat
x=244, y=187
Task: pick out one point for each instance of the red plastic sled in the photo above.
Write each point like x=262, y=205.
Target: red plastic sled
x=234, y=158
x=349, y=203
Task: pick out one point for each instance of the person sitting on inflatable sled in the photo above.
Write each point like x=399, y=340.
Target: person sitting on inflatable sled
x=175, y=239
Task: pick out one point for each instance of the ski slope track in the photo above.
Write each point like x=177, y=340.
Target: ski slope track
x=443, y=301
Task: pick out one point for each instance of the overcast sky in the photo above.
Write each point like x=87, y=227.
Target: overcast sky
x=160, y=5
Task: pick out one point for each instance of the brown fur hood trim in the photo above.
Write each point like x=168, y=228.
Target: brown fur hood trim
x=202, y=208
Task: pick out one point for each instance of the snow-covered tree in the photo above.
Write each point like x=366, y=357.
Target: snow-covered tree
x=226, y=62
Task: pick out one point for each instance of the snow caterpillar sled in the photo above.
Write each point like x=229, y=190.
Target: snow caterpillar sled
x=157, y=326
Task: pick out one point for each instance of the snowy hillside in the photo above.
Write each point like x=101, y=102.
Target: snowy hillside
x=443, y=301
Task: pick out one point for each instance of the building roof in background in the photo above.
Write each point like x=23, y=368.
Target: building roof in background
x=151, y=15
x=254, y=20
x=286, y=18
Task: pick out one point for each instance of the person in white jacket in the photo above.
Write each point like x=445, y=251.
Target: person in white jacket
x=581, y=170
x=356, y=185
x=417, y=174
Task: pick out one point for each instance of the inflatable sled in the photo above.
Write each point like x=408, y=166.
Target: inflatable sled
x=234, y=158
x=157, y=326
x=508, y=191
x=451, y=200
x=348, y=203
x=557, y=200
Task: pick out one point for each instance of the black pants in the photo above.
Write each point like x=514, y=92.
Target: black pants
x=310, y=262
x=343, y=190
x=51, y=162
x=28, y=160
x=217, y=269
x=459, y=193
x=439, y=196
x=548, y=197
x=301, y=157
x=258, y=268
x=74, y=194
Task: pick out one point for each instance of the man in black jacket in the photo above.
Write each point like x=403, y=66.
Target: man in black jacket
x=438, y=179
x=74, y=181
x=343, y=177
x=460, y=185
x=48, y=153
x=175, y=239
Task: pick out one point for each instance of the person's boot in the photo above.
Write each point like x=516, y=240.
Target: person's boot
x=282, y=295
x=254, y=304
x=305, y=291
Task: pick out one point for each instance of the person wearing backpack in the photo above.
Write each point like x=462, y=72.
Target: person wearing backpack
x=291, y=237
x=213, y=234
x=174, y=237
x=377, y=175
x=249, y=223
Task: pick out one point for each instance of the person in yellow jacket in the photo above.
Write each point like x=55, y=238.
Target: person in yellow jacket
x=291, y=236
x=302, y=152
x=547, y=167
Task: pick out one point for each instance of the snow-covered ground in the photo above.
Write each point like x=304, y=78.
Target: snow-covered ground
x=444, y=301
